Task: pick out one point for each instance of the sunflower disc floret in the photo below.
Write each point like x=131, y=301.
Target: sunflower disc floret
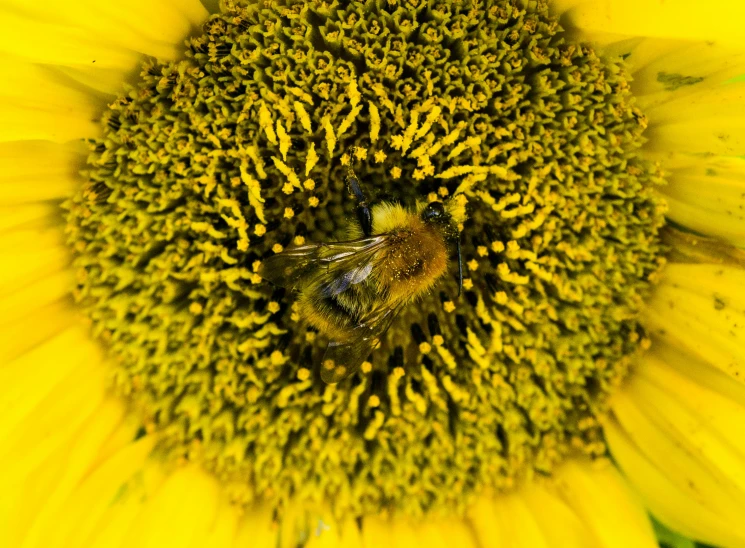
x=239, y=151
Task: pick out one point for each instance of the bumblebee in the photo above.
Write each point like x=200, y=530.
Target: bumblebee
x=352, y=290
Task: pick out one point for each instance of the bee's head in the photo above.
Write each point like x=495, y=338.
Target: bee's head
x=434, y=212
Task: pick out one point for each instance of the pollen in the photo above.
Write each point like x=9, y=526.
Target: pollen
x=211, y=164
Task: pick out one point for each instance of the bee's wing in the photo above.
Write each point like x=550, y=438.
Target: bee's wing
x=340, y=263
x=342, y=359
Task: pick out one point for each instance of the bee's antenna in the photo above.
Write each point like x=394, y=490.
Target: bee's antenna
x=460, y=266
x=363, y=210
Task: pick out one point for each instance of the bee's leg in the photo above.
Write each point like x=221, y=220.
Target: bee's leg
x=364, y=215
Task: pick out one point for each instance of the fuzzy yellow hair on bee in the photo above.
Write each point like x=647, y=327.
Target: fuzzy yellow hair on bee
x=351, y=290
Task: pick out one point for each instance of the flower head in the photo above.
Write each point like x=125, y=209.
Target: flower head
x=208, y=163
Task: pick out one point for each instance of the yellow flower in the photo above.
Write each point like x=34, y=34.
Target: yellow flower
x=197, y=419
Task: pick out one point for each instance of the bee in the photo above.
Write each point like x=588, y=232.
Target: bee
x=352, y=290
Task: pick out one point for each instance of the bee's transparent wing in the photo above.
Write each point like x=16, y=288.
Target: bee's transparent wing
x=342, y=359
x=339, y=264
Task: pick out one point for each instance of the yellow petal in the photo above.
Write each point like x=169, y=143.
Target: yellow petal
x=558, y=522
x=106, y=504
x=257, y=529
x=36, y=104
x=719, y=20
x=82, y=32
x=25, y=178
x=701, y=307
x=38, y=450
x=708, y=196
x=20, y=266
x=33, y=216
x=69, y=466
x=26, y=381
x=222, y=530
x=180, y=512
x=35, y=328
x=376, y=532
x=666, y=70
x=711, y=122
x=609, y=510
x=678, y=433
x=35, y=295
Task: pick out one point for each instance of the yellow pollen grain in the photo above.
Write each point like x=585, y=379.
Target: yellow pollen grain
x=303, y=374
x=443, y=192
x=425, y=347
x=497, y=247
x=289, y=213
x=196, y=308
x=482, y=251
x=467, y=284
x=288, y=189
x=432, y=197
x=366, y=367
x=380, y=157
x=310, y=336
x=277, y=358
x=309, y=184
x=438, y=340
x=273, y=307
x=255, y=266
x=360, y=153
x=345, y=159
x=448, y=306
x=373, y=401
x=473, y=265
x=395, y=172
x=298, y=240
x=278, y=248
x=260, y=229
x=313, y=201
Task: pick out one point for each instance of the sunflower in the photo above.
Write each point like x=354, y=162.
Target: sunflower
x=156, y=390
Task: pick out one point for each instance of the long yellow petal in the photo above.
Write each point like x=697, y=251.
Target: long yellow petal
x=699, y=307
x=84, y=32
x=669, y=502
x=708, y=196
x=28, y=216
x=599, y=496
x=24, y=178
x=719, y=20
x=180, y=512
x=104, y=507
x=26, y=381
x=257, y=529
x=711, y=122
x=36, y=104
x=70, y=466
x=678, y=433
x=558, y=522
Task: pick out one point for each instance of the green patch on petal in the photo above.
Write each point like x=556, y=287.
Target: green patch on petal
x=238, y=152
x=674, y=81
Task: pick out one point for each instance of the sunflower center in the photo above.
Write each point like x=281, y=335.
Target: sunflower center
x=213, y=163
